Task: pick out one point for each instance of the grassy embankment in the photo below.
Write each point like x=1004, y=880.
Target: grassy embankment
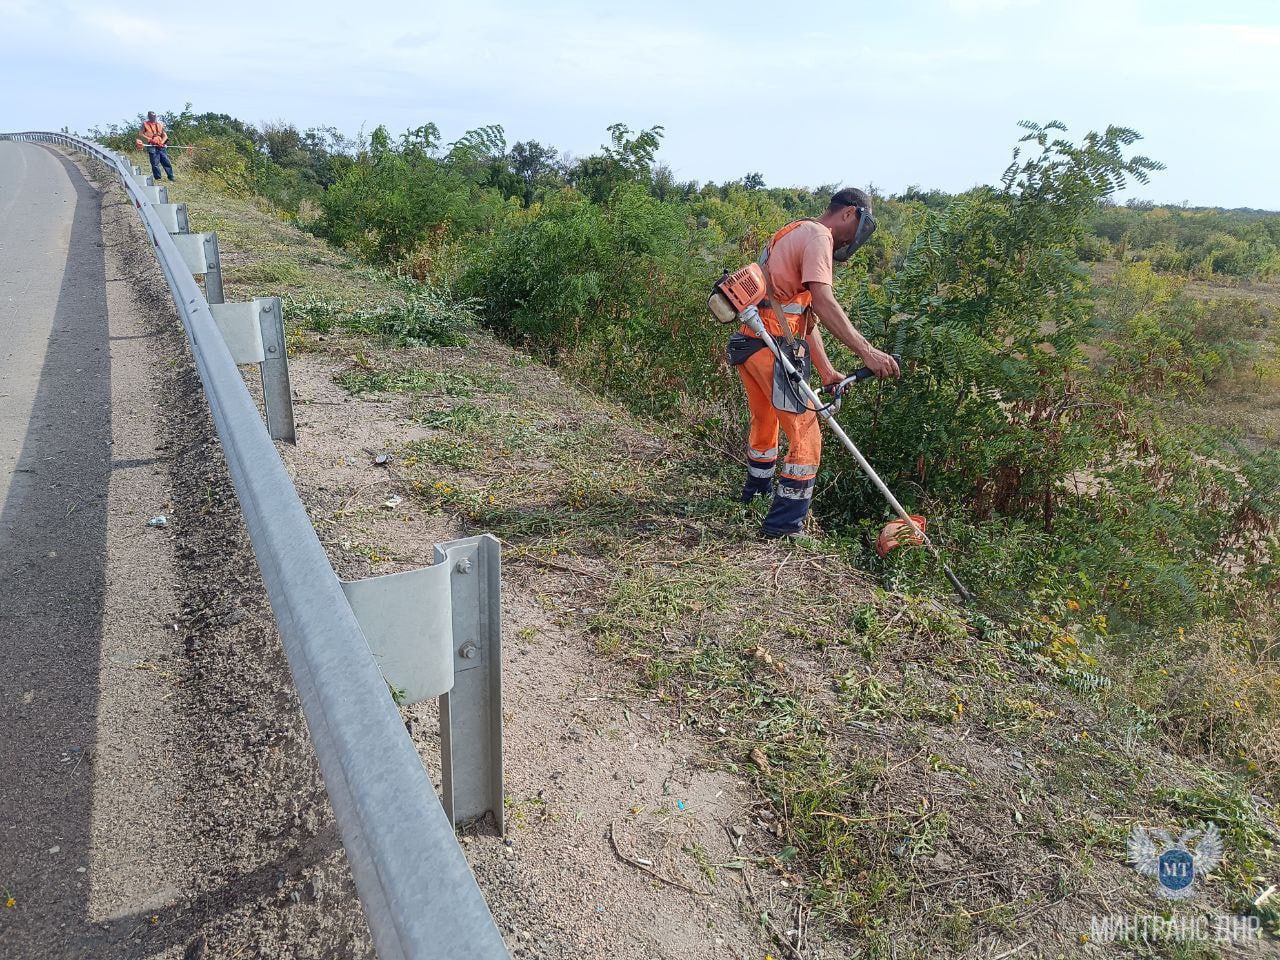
x=933, y=781
x=1247, y=402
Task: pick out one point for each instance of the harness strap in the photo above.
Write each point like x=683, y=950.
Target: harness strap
x=795, y=309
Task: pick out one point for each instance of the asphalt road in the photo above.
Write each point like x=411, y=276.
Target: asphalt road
x=159, y=797
x=55, y=455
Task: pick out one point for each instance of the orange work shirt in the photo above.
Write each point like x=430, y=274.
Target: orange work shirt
x=802, y=255
x=153, y=133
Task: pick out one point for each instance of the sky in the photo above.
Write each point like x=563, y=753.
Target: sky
x=891, y=94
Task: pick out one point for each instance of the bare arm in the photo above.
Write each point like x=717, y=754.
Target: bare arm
x=821, y=362
x=834, y=319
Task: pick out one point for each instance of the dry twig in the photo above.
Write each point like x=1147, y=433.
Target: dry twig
x=631, y=861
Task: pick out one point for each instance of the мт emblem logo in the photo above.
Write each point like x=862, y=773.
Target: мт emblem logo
x=1173, y=863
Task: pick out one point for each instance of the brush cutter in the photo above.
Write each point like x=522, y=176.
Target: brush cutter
x=168, y=146
x=909, y=527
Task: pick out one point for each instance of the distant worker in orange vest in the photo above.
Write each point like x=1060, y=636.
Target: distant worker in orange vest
x=156, y=139
x=799, y=265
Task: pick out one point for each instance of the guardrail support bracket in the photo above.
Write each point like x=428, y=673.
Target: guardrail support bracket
x=437, y=632
x=174, y=217
x=200, y=253
x=254, y=333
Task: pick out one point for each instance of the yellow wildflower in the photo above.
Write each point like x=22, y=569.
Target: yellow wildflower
x=11, y=902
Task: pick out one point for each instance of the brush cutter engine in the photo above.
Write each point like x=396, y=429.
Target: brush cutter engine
x=736, y=293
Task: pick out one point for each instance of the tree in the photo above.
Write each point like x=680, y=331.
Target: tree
x=624, y=159
x=536, y=166
x=991, y=304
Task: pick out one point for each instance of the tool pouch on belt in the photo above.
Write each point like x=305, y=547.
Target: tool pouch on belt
x=786, y=393
x=741, y=348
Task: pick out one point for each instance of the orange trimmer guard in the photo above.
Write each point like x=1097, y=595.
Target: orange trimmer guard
x=896, y=533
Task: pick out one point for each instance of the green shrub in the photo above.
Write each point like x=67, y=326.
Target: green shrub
x=1161, y=341
x=1213, y=243
x=425, y=317
x=989, y=309
x=620, y=289
x=1094, y=249
x=394, y=197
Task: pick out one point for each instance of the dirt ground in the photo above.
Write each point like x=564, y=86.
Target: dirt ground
x=610, y=813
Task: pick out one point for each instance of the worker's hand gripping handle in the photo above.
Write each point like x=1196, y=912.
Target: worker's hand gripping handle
x=864, y=373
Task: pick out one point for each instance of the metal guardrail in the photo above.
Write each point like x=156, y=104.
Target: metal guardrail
x=417, y=890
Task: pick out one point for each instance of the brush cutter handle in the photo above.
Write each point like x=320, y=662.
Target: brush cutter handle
x=863, y=373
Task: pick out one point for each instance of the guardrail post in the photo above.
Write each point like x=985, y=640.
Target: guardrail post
x=254, y=333
x=471, y=713
x=213, y=270
x=277, y=394
x=437, y=632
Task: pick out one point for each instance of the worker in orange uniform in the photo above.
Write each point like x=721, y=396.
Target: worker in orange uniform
x=798, y=265
x=156, y=140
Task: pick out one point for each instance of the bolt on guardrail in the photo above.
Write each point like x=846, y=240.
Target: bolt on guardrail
x=433, y=632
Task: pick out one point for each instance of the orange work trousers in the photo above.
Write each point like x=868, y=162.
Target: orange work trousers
x=794, y=490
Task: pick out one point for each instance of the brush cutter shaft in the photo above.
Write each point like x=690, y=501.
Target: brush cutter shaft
x=751, y=317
